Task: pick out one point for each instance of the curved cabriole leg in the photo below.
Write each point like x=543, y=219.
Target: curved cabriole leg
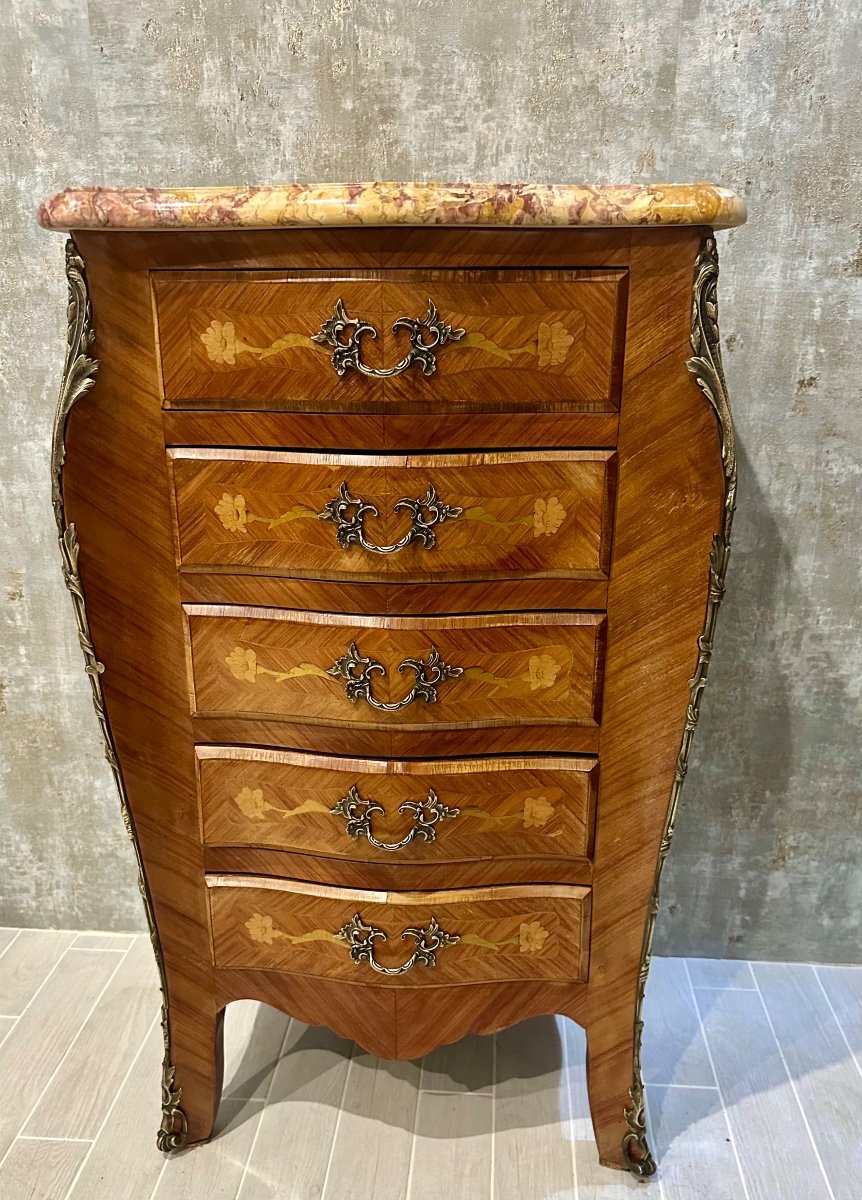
x=617, y=1099
x=191, y=1078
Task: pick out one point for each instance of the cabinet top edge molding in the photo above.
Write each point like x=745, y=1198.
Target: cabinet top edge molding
x=290, y=205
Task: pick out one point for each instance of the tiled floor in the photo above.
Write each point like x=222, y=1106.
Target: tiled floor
x=754, y=1078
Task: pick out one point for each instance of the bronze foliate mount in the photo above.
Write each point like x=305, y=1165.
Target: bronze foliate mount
x=706, y=367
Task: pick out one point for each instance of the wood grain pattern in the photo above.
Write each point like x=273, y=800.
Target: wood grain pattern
x=531, y=339
x=527, y=668
x=667, y=507
x=511, y=933
x=505, y=515
x=506, y=807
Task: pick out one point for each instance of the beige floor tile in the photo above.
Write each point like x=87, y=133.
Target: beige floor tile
x=7, y=937
x=533, y=1151
x=27, y=963
x=452, y=1153
x=827, y=1081
x=42, y=1036
x=298, y=1123
x=674, y=1050
x=213, y=1171
x=254, y=1035
x=371, y=1154
x=75, y=1102
x=124, y=1163
x=466, y=1066
x=36, y=1170
x=689, y=1137
x=6, y=1026
x=775, y=1150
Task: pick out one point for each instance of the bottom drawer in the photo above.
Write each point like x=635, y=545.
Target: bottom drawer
x=482, y=935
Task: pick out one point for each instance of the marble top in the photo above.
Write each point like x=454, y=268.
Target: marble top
x=479, y=204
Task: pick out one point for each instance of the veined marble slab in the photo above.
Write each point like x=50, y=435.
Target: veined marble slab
x=478, y=204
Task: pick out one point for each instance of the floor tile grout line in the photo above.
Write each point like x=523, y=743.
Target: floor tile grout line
x=714, y=987
x=263, y=1109
x=793, y=1088
x=841, y=1030
x=338, y=1116
x=98, y=949
x=159, y=1177
x=456, y=1092
x=689, y=1087
x=408, y=1187
x=68, y=1049
x=730, y=1133
x=493, y=1163
x=12, y=940
x=4, y=1036
x=110, y=1108
x=29, y=1137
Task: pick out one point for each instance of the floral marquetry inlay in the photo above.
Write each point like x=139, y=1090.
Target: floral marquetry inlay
x=538, y=810
x=550, y=346
x=261, y=928
x=245, y=667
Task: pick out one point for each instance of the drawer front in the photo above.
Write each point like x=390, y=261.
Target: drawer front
x=409, y=672
x=449, y=810
x=529, y=338
x=442, y=517
x=411, y=939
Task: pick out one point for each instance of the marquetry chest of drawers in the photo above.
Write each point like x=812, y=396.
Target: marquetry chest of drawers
x=396, y=521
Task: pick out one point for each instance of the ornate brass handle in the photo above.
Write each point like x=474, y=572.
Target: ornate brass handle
x=346, y=355
x=348, y=513
x=361, y=939
x=426, y=813
x=357, y=672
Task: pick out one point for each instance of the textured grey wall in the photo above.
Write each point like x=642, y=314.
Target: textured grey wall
x=763, y=96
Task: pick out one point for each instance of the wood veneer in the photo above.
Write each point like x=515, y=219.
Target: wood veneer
x=632, y=639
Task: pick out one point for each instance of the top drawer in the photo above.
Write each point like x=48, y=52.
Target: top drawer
x=531, y=339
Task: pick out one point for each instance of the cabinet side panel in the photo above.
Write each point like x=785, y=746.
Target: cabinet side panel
x=116, y=493
x=669, y=506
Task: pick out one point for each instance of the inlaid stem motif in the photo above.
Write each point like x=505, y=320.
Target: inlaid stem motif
x=348, y=513
x=223, y=345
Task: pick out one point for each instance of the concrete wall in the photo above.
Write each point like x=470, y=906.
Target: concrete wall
x=762, y=96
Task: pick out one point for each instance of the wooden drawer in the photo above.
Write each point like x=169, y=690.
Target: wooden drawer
x=531, y=339
x=450, y=672
x=479, y=935
x=454, y=810
x=441, y=517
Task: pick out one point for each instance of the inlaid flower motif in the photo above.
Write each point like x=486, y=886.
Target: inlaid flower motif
x=231, y=511
x=548, y=516
x=554, y=342
x=542, y=672
x=260, y=928
x=537, y=811
x=251, y=803
x=532, y=938
x=219, y=341
x=243, y=664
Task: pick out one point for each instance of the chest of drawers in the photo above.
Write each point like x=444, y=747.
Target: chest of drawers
x=396, y=521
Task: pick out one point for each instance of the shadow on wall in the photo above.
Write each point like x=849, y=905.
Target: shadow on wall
x=738, y=870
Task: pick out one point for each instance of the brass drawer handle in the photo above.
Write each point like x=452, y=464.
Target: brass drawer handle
x=347, y=354
x=426, y=813
x=361, y=939
x=357, y=672
x=348, y=513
